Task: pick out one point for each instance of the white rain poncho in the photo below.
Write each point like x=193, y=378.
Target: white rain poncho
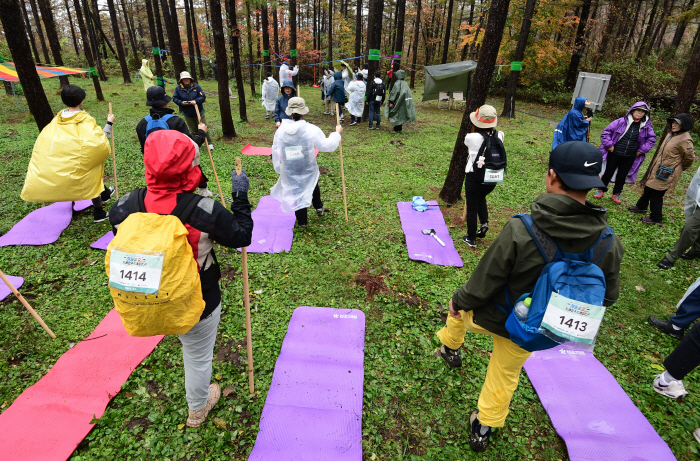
x=356, y=89
x=286, y=74
x=294, y=160
x=692, y=195
x=327, y=83
x=270, y=89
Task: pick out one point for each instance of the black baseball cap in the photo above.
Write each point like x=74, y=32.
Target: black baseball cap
x=578, y=164
x=156, y=96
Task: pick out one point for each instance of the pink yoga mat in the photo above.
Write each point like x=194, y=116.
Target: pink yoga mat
x=41, y=226
x=589, y=409
x=273, y=229
x=102, y=242
x=5, y=290
x=50, y=419
x=424, y=247
x=254, y=150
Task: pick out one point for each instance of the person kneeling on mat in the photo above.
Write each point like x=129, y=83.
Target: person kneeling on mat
x=171, y=177
x=68, y=158
x=511, y=267
x=294, y=160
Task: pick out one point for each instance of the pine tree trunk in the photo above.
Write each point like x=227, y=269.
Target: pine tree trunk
x=645, y=43
x=572, y=73
x=159, y=28
x=196, y=39
x=227, y=128
x=190, y=41
x=293, y=30
x=632, y=30
x=87, y=47
x=398, y=41
x=680, y=28
x=358, y=32
x=448, y=27
x=330, y=32
x=251, y=69
x=31, y=36
x=206, y=16
x=266, y=38
x=118, y=41
x=17, y=42
x=689, y=86
x=235, y=45
x=452, y=189
x=132, y=35
x=416, y=38
x=275, y=34
x=509, y=102
x=154, y=39
x=93, y=41
x=174, y=41
x=660, y=25
x=72, y=29
x=37, y=24
x=52, y=35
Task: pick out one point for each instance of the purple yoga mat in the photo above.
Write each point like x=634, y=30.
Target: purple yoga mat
x=425, y=247
x=272, y=228
x=313, y=410
x=590, y=410
x=102, y=242
x=5, y=290
x=41, y=226
x=80, y=205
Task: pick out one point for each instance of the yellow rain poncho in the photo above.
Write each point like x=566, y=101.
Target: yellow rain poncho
x=67, y=161
x=146, y=75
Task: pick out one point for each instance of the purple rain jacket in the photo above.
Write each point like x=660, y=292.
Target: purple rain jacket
x=646, y=140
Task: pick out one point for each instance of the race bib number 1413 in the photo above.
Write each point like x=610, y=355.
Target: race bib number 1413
x=573, y=320
x=136, y=272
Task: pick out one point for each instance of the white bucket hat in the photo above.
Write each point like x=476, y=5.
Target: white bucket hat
x=296, y=105
x=185, y=74
x=484, y=117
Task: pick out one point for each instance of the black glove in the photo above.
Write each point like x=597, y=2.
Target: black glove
x=239, y=183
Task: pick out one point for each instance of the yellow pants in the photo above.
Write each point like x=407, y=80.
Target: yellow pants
x=503, y=371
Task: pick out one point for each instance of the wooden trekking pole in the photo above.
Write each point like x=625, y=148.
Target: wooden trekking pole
x=221, y=194
x=246, y=303
x=114, y=158
x=26, y=304
x=342, y=170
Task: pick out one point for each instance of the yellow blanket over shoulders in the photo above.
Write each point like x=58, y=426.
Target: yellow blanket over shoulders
x=67, y=161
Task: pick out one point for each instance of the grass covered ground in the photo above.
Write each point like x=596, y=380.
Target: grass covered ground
x=414, y=408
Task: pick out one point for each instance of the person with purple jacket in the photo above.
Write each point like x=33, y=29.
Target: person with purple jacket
x=624, y=144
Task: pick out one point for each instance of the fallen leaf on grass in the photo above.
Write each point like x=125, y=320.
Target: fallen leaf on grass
x=640, y=288
x=180, y=426
x=220, y=423
x=657, y=367
x=128, y=394
x=228, y=391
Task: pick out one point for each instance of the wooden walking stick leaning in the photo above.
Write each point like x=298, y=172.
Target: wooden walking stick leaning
x=26, y=304
x=221, y=194
x=114, y=158
x=342, y=170
x=246, y=302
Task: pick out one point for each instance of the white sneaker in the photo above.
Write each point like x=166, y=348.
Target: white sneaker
x=196, y=418
x=674, y=389
x=696, y=434
x=205, y=192
x=211, y=146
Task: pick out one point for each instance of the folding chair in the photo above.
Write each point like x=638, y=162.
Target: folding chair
x=444, y=97
x=458, y=98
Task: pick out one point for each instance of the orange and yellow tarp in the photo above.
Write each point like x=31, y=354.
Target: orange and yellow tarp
x=9, y=73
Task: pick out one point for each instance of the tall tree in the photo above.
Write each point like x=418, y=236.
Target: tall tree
x=235, y=45
x=249, y=27
x=293, y=31
x=130, y=31
x=154, y=39
x=646, y=39
x=688, y=88
x=448, y=27
x=330, y=31
x=30, y=35
x=37, y=25
x=398, y=39
x=93, y=40
x=266, y=37
x=87, y=48
x=498, y=13
x=174, y=41
x=159, y=27
x=52, y=35
x=416, y=37
x=18, y=43
x=190, y=41
x=682, y=24
x=358, y=31
x=227, y=128
x=509, y=103
x=72, y=29
x=196, y=39
x=578, y=45
x=118, y=41
x=275, y=31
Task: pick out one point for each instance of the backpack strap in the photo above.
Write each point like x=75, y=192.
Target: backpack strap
x=167, y=116
x=546, y=244
x=148, y=118
x=603, y=244
x=136, y=201
x=186, y=206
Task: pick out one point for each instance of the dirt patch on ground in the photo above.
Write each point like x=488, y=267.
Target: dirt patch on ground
x=229, y=274
x=373, y=284
x=323, y=170
x=143, y=422
x=229, y=352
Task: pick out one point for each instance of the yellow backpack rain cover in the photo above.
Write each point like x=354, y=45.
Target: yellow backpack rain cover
x=67, y=161
x=153, y=276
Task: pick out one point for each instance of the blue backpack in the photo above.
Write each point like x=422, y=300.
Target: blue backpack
x=574, y=276
x=155, y=124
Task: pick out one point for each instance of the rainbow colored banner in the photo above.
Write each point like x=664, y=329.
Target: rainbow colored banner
x=9, y=73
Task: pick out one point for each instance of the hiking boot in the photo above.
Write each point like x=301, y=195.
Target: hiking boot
x=636, y=209
x=479, y=435
x=599, y=194
x=354, y=123
x=320, y=211
x=99, y=215
x=481, y=233
x=370, y=127
x=616, y=198
x=300, y=226
x=196, y=418
x=666, y=326
x=691, y=254
x=453, y=357
x=326, y=113
x=674, y=389
x=470, y=242
x=205, y=192
x=107, y=194
x=665, y=264
x=267, y=117
x=648, y=220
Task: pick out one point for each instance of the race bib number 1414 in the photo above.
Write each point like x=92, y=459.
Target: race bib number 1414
x=136, y=272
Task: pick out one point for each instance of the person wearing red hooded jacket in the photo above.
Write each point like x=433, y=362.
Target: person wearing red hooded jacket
x=171, y=161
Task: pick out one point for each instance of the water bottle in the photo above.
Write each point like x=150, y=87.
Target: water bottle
x=522, y=308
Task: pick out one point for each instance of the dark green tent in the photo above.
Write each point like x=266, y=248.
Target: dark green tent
x=444, y=78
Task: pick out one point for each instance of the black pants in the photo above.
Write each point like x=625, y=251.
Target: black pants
x=686, y=356
x=398, y=128
x=204, y=181
x=476, y=205
x=653, y=199
x=302, y=215
x=623, y=165
x=97, y=201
